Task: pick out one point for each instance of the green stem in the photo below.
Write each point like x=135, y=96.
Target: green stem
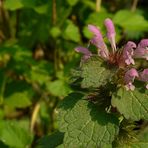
x=98, y=5
x=2, y=90
x=134, y=5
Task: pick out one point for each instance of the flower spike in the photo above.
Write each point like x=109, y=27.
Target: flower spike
x=98, y=41
x=110, y=33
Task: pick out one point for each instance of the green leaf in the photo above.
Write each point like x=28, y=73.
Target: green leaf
x=11, y=5
x=18, y=99
x=58, y=88
x=40, y=72
x=18, y=4
x=13, y=135
x=51, y=141
x=72, y=2
x=84, y=124
x=132, y=104
x=41, y=9
x=18, y=94
x=94, y=73
x=55, y=32
x=71, y=32
x=130, y=21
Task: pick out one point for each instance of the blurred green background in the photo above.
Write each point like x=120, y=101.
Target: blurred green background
x=37, y=40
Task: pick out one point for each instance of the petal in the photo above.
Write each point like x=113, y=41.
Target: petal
x=141, y=52
x=142, y=49
x=83, y=50
x=129, y=78
x=130, y=86
x=147, y=86
x=110, y=32
x=143, y=43
x=95, y=31
x=130, y=75
x=128, y=52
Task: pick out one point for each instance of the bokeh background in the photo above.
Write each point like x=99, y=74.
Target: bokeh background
x=37, y=40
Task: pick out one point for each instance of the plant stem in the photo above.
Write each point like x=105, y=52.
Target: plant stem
x=134, y=5
x=34, y=116
x=4, y=21
x=2, y=90
x=98, y=5
x=54, y=12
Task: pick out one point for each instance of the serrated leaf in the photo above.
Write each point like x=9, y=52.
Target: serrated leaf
x=51, y=141
x=84, y=124
x=132, y=104
x=13, y=135
x=94, y=73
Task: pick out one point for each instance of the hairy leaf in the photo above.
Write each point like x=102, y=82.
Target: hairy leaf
x=85, y=125
x=94, y=73
x=132, y=104
x=51, y=141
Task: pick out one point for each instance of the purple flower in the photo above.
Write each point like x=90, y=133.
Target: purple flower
x=128, y=52
x=110, y=33
x=98, y=41
x=129, y=78
x=143, y=76
x=95, y=31
x=86, y=53
x=142, y=49
x=143, y=43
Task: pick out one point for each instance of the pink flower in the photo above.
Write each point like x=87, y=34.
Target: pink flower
x=86, y=53
x=98, y=41
x=129, y=78
x=142, y=49
x=128, y=52
x=110, y=33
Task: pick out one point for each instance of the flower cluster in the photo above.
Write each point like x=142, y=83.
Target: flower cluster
x=122, y=58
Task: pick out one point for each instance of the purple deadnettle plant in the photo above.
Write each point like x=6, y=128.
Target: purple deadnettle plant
x=123, y=58
x=109, y=103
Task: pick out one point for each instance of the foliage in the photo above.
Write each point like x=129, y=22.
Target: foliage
x=37, y=39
